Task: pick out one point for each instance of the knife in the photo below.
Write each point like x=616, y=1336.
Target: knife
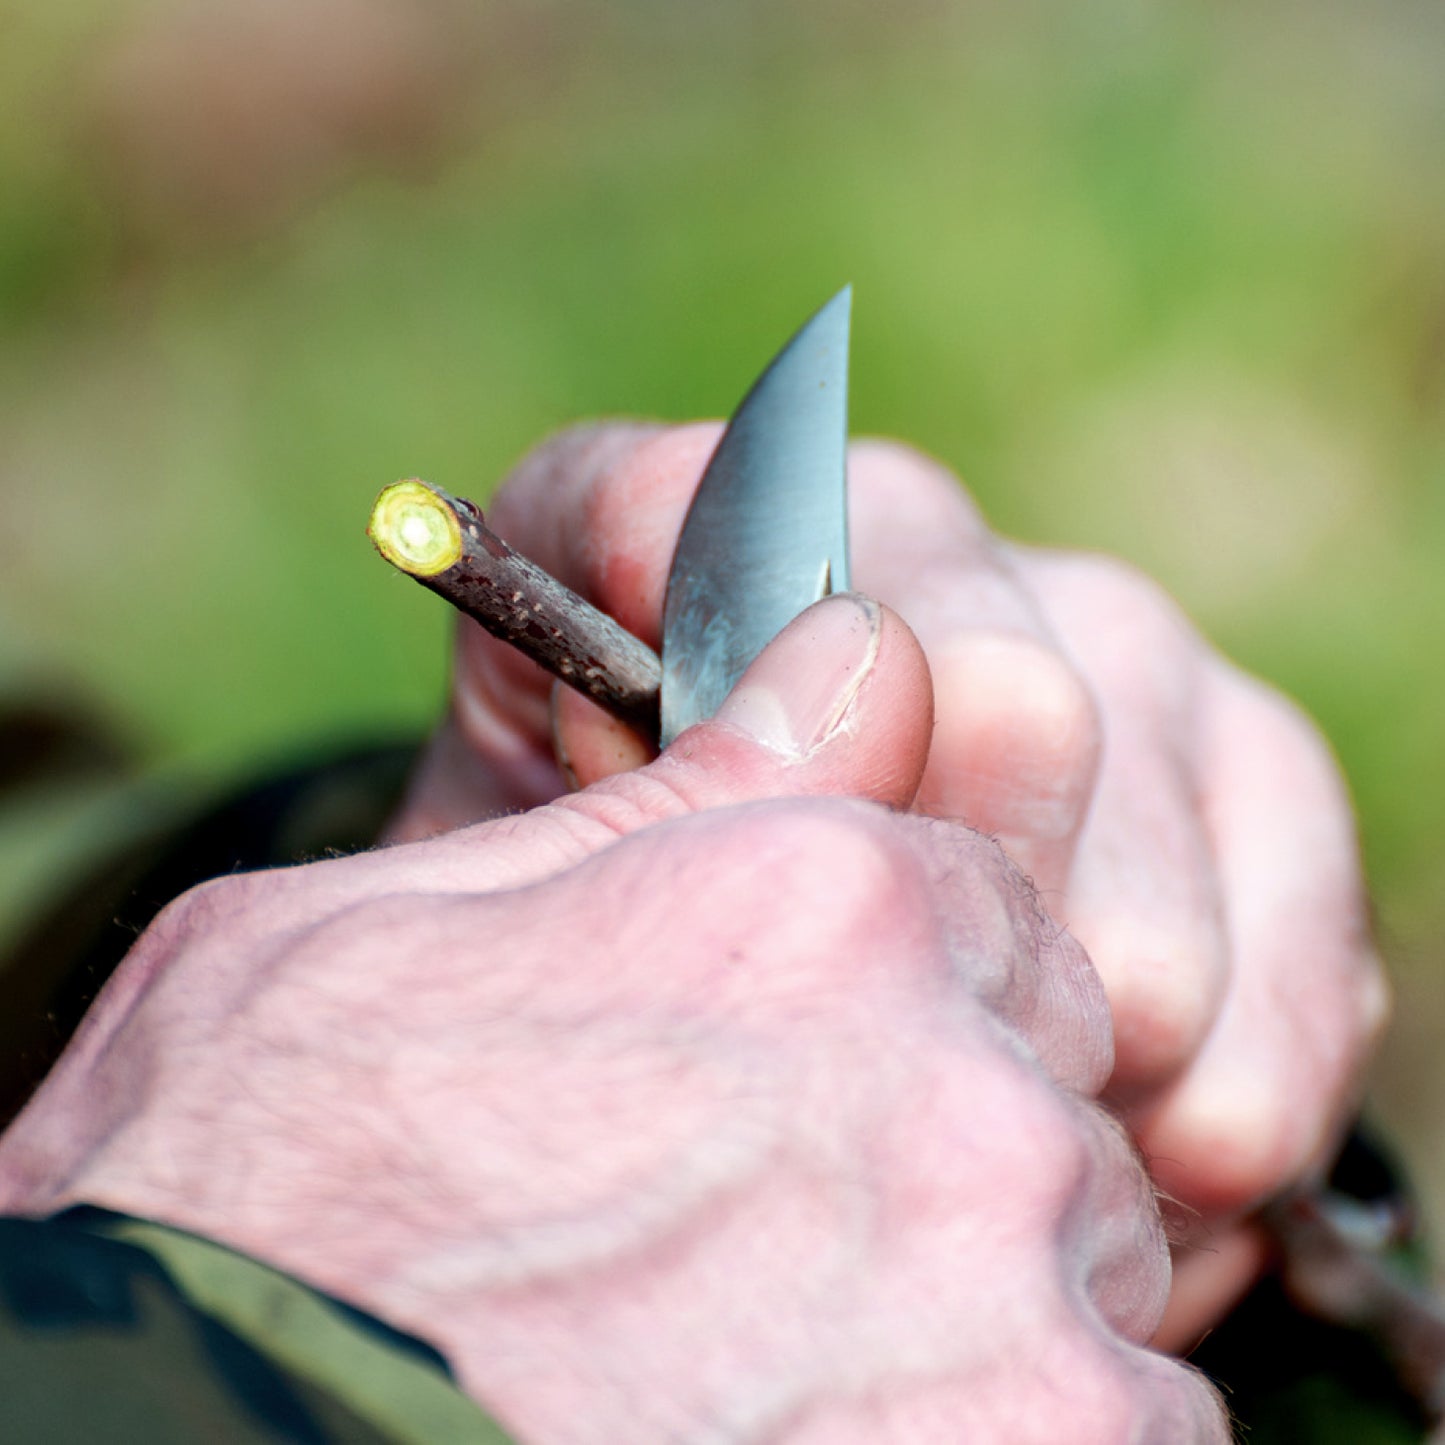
x=765, y=537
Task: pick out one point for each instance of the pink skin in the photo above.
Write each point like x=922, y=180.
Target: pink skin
x=725, y=1099
x=1185, y=823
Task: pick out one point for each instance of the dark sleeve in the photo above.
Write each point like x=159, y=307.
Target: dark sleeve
x=52, y=973
x=123, y=1331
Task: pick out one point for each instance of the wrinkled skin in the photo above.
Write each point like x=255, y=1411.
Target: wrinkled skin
x=753, y=1093
x=723, y=1100
x=1185, y=823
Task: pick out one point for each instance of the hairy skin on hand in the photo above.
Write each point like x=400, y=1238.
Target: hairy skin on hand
x=705, y=1103
x=1184, y=822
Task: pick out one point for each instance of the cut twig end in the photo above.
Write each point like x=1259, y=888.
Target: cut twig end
x=415, y=529
x=445, y=544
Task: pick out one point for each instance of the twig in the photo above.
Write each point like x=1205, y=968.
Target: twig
x=446, y=545
x=1334, y=1265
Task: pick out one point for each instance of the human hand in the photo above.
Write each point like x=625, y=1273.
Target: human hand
x=1183, y=821
x=722, y=1099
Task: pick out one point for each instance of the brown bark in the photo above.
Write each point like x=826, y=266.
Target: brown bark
x=517, y=601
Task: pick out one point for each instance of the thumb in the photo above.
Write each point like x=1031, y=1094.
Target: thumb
x=839, y=703
x=792, y=701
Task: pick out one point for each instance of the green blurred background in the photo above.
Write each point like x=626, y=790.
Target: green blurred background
x=1167, y=281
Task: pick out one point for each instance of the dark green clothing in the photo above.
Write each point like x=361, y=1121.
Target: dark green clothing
x=117, y=1330
x=120, y=1331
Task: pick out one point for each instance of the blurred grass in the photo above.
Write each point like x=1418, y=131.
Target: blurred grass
x=1169, y=283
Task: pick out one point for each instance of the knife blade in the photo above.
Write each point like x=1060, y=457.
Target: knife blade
x=766, y=535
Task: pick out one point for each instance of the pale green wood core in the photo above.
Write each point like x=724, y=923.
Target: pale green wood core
x=414, y=529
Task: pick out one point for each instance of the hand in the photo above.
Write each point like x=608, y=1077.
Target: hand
x=706, y=1102
x=1184, y=822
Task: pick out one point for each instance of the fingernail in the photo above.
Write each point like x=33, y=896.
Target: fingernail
x=800, y=691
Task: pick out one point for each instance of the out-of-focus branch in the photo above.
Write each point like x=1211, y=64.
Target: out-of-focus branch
x=1335, y=1265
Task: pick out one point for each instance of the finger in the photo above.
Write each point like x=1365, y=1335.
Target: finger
x=1264, y=1100
x=1209, y=1280
x=590, y=744
x=1017, y=739
x=1016, y=748
x=578, y=506
x=896, y=501
x=839, y=703
x=599, y=508
x=1143, y=895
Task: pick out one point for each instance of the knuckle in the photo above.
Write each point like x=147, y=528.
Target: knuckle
x=209, y=907
x=1182, y=1406
x=908, y=487
x=632, y=506
x=1227, y=1146
x=644, y=463
x=1301, y=760
x=1373, y=1001
x=1288, y=1142
x=1055, y=695
x=1089, y=1390
x=1008, y=953
x=574, y=458
x=1073, y=1173
x=594, y=494
x=1165, y=998
x=1278, y=720
x=1120, y=1246
x=1002, y=935
x=851, y=896
x=1127, y=1394
x=854, y=858
x=1118, y=618
x=1111, y=1401
x=1014, y=701
x=1049, y=1155
x=627, y=802
x=1128, y=591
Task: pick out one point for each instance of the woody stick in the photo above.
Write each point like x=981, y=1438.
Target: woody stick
x=445, y=544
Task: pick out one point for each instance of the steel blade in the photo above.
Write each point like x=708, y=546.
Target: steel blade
x=766, y=535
